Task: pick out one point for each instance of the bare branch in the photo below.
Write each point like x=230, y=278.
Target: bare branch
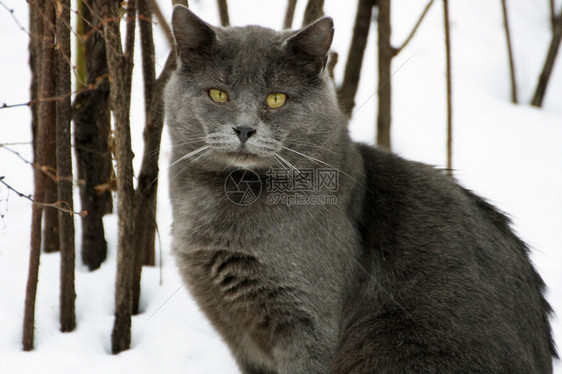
x=314, y=10
x=223, y=13
x=509, y=53
x=552, y=5
x=62, y=206
x=90, y=87
x=64, y=171
x=396, y=51
x=348, y=89
x=289, y=14
x=384, y=86
x=48, y=171
x=120, y=103
x=449, y=88
x=548, y=63
x=11, y=11
x=163, y=22
x=38, y=179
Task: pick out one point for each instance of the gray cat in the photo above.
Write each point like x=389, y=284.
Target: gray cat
x=310, y=253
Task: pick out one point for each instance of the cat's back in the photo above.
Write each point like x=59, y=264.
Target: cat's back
x=444, y=285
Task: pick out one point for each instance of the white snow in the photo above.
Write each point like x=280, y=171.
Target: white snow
x=510, y=154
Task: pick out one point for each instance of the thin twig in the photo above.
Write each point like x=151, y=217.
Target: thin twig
x=92, y=86
x=47, y=170
x=11, y=11
x=157, y=12
x=509, y=53
x=63, y=206
x=396, y=51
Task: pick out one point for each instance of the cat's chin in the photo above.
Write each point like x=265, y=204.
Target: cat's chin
x=246, y=160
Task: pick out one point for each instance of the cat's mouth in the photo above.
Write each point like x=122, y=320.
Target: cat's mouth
x=242, y=157
x=243, y=154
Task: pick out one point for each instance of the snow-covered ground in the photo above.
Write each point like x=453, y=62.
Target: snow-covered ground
x=510, y=154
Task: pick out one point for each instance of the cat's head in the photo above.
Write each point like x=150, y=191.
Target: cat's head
x=251, y=97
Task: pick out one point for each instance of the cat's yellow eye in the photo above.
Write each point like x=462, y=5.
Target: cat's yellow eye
x=276, y=100
x=218, y=96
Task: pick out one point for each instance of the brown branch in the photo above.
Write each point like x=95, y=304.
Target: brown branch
x=163, y=22
x=548, y=63
x=384, y=113
x=348, y=89
x=64, y=171
x=449, y=88
x=39, y=185
x=92, y=119
x=552, y=6
x=180, y=2
x=396, y=51
x=66, y=24
x=289, y=14
x=145, y=205
x=147, y=51
x=120, y=103
x=223, y=13
x=131, y=22
x=509, y=53
x=314, y=10
x=50, y=219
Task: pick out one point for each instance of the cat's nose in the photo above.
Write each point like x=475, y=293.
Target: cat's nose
x=244, y=132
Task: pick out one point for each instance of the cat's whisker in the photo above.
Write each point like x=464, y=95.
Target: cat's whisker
x=201, y=155
x=332, y=151
x=320, y=162
x=280, y=158
x=283, y=166
x=192, y=153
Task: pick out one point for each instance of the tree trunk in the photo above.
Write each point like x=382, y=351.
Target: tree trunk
x=92, y=123
x=314, y=10
x=49, y=160
x=64, y=170
x=385, y=75
x=348, y=89
x=46, y=47
x=548, y=64
x=449, y=89
x=145, y=201
x=35, y=32
x=289, y=14
x=223, y=13
x=119, y=68
x=509, y=53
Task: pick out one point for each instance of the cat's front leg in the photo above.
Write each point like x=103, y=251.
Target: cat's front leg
x=304, y=349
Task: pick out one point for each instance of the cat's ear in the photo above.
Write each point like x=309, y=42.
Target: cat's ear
x=313, y=41
x=192, y=34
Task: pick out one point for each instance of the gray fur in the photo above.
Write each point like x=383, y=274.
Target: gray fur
x=407, y=273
